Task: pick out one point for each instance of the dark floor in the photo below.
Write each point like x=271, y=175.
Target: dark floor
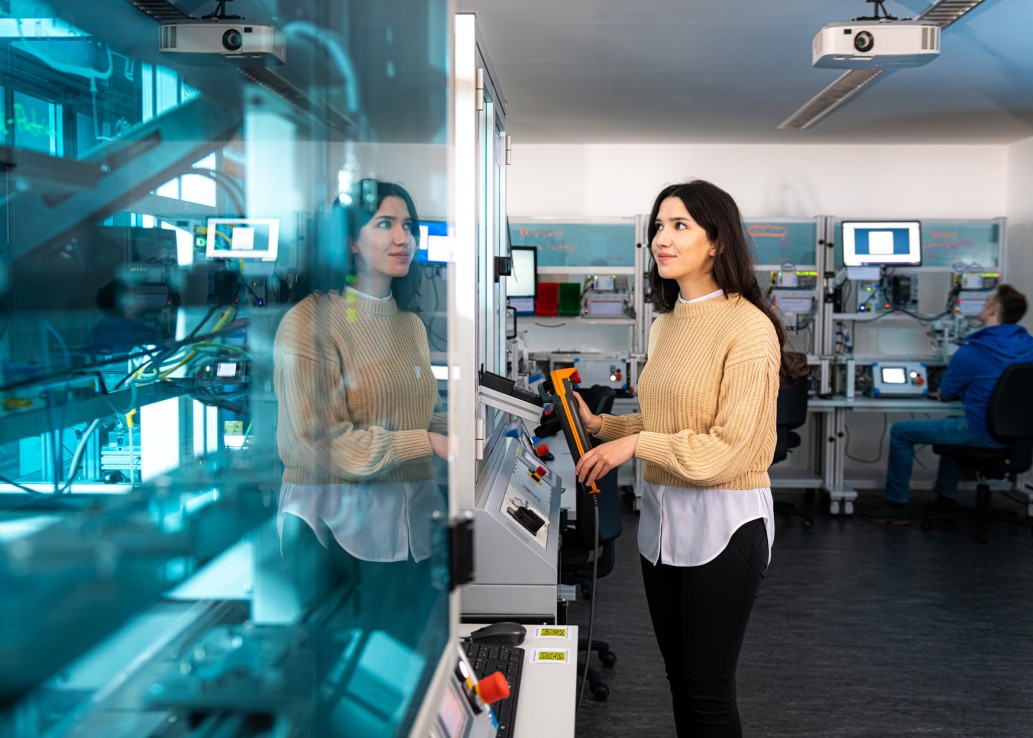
x=859, y=630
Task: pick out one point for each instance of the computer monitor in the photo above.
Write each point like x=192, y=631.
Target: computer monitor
x=242, y=238
x=882, y=243
x=522, y=283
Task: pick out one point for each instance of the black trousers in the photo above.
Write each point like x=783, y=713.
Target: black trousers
x=699, y=616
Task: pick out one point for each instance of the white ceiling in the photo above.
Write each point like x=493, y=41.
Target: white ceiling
x=729, y=71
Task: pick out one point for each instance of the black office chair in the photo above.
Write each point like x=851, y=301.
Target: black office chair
x=790, y=415
x=578, y=550
x=1009, y=417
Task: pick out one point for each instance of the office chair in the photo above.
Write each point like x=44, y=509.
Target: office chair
x=790, y=415
x=1009, y=417
x=578, y=547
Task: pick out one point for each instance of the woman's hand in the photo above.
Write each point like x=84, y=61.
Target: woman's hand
x=593, y=423
x=596, y=462
x=439, y=444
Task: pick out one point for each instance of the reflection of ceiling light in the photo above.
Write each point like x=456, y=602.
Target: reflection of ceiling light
x=942, y=12
x=31, y=28
x=161, y=10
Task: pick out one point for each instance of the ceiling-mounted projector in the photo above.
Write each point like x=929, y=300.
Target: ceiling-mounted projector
x=866, y=43
x=233, y=39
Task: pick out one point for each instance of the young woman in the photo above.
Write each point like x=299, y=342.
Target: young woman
x=706, y=433
x=357, y=426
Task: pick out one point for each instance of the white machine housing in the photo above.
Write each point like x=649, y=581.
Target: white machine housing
x=237, y=40
x=882, y=43
x=515, y=565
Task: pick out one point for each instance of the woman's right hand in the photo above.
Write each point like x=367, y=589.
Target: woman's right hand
x=439, y=444
x=593, y=423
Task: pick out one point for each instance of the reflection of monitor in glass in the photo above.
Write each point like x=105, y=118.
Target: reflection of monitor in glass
x=883, y=243
x=433, y=245
x=242, y=238
x=522, y=283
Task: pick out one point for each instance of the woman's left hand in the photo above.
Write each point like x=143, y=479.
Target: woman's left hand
x=597, y=461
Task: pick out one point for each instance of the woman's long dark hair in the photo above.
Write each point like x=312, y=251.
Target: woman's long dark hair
x=716, y=213
x=331, y=266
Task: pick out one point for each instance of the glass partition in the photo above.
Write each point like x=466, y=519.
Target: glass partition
x=223, y=346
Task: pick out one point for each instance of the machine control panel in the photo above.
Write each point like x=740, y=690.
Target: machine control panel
x=902, y=378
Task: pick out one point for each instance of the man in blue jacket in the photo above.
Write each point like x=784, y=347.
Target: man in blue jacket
x=971, y=375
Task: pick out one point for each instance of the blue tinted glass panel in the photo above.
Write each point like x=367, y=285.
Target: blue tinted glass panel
x=577, y=244
x=778, y=241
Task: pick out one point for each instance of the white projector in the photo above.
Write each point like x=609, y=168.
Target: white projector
x=235, y=40
x=862, y=45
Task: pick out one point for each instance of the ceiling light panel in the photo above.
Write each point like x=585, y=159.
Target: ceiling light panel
x=846, y=86
x=945, y=12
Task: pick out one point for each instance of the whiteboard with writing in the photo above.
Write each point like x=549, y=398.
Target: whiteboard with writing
x=777, y=241
x=945, y=243
x=578, y=244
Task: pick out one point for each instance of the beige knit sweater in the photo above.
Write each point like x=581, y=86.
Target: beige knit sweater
x=708, y=395
x=356, y=393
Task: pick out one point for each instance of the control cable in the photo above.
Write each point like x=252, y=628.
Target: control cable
x=591, y=607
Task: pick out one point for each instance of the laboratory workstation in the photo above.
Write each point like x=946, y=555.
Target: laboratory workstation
x=346, y=390
x=876, y=307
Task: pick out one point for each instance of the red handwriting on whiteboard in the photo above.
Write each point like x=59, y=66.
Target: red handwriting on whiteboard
x=767, y=231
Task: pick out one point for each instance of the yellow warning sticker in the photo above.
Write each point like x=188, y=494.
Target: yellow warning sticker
x=550, y=631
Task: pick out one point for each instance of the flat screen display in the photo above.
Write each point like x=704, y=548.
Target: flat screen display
x=242, y=238
x=882, y=243
x=453, y=712
x=894, y=375
x=523, y=280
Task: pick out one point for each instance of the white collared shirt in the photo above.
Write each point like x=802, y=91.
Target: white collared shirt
x=691, y=526
x=716, y=293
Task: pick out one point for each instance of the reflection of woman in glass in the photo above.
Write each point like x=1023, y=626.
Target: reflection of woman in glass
x=357, y=424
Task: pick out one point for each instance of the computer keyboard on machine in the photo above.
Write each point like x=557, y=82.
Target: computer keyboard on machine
x=510, y=661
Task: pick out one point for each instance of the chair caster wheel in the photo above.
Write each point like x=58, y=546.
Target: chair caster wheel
x=600, y=691
x=609, y=658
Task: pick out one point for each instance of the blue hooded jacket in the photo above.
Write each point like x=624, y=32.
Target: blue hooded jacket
x=978, y=364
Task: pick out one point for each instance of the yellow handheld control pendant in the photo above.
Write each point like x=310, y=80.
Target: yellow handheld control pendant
x=563, y=381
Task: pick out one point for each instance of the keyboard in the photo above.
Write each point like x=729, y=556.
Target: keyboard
x=510, y=661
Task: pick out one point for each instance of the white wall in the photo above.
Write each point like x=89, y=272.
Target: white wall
x=769, y=181
x=1020, y=220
